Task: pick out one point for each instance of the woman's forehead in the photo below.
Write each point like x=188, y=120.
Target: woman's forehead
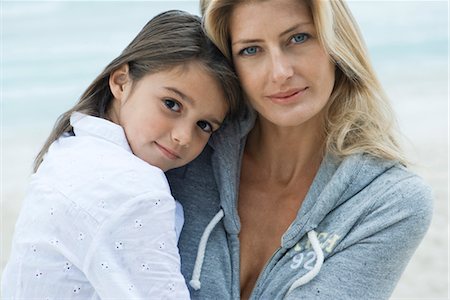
x=254, y=17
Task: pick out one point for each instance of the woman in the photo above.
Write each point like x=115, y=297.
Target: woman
x=307, y=196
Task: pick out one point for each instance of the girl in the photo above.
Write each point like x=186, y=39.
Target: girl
x=99, y=220
x=310, y=187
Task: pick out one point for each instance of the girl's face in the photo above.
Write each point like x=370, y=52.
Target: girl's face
x=169, y=116
x=285, y=73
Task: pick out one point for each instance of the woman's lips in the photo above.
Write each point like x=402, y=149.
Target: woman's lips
x=171, y=154
x=288, y=96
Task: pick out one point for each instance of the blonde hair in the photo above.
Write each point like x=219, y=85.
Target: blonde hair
x=359, y=117
x=170, y=39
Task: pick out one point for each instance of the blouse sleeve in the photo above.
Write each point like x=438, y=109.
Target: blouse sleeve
x=134, y=253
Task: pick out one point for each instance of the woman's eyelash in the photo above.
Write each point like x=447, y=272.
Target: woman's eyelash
x=300, y=37
x=252, y=50
x=297, y=38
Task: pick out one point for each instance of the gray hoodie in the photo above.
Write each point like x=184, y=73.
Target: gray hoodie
x=358, y=226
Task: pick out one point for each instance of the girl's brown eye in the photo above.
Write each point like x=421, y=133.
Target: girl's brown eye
x=172, y=105
x=205, y=126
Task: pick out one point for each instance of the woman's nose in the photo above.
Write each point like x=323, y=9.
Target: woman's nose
x=281, y=66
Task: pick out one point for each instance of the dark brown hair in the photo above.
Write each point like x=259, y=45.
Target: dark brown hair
x=170, y=39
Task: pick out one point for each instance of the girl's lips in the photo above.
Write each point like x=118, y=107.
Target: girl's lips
x=168, y=152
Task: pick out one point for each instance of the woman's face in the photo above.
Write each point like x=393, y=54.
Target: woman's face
x=286, y=74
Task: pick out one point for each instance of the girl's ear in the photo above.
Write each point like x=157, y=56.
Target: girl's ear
x=119, y=82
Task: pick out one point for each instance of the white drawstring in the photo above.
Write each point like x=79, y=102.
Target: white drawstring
x=195, y=281
x=312, y=236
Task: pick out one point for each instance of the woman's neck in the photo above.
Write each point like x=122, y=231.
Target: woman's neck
x=285, y=154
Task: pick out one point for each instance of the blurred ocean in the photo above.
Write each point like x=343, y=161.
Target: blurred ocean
x=408, y=43
x=52, y=50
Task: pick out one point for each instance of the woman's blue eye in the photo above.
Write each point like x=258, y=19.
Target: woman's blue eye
x=249, y=50
x=205, y=126
x=172, y=105
x=299, y=38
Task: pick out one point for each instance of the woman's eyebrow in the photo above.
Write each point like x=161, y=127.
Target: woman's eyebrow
x=290, y=29
x=295, y=27
x=247, y=41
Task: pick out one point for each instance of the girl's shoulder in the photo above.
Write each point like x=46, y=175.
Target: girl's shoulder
x=94, y=174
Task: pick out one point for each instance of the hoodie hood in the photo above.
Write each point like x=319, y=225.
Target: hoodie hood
x=229, y=143
x=336, y=180
x=335, y=183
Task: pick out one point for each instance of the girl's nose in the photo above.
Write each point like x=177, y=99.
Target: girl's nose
x=182, y=135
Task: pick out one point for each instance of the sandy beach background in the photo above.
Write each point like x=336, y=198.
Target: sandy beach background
x=52, y=50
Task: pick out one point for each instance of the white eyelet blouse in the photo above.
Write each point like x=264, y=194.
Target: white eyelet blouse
x=97, y=223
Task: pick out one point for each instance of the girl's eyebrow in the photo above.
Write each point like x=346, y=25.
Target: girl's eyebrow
x=180, y=94
x=190, y=101
x=290, y=29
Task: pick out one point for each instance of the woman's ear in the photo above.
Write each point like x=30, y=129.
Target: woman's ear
x=119, y=82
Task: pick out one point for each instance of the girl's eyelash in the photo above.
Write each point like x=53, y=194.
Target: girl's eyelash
x=172, y=104
x=200, y=124
x=176, y=106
